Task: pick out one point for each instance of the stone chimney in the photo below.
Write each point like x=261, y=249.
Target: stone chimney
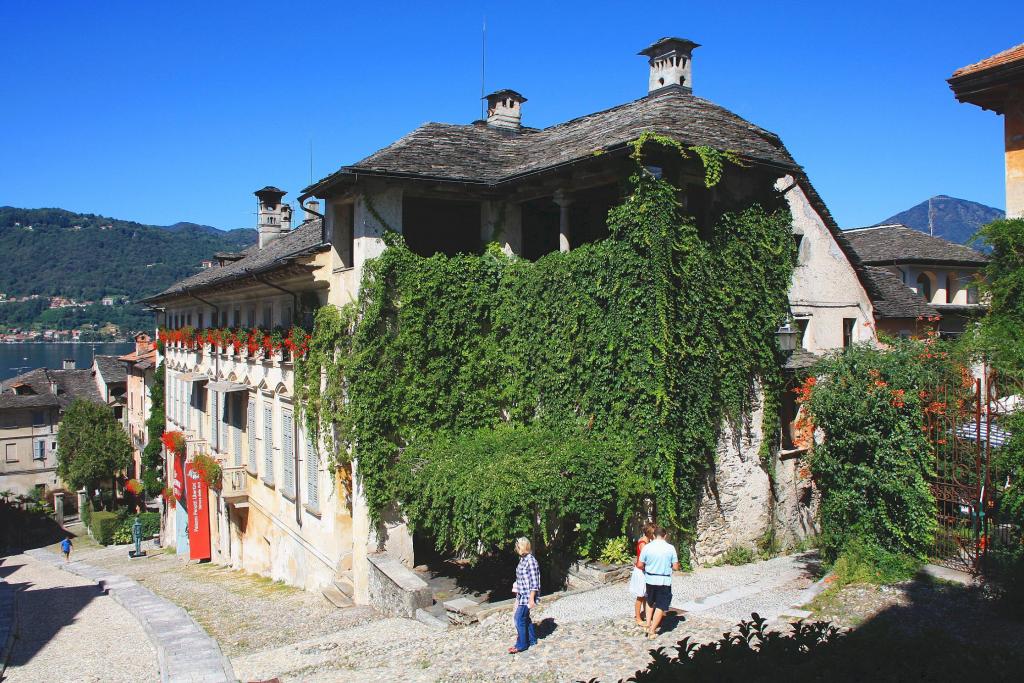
x=309, y=207
x=143, y=343
x=504, y=109
x=69, y=364
x=671, y=64
x=275, y=216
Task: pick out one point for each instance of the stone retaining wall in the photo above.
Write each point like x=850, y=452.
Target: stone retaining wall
x=394, y=589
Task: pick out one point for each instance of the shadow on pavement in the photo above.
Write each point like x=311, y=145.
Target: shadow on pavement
x=42, y=613
x=927, y=632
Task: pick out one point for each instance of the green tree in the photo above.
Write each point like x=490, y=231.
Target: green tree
x=91, y=445
x=999, y=337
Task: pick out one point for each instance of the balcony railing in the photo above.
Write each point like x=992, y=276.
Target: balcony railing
x=235, y=486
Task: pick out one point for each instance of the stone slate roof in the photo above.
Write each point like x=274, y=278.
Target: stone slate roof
x=481, y=154
x=304, y=240
x=893, y=244
x=71, y=384
x=112, y=369
x=892, y=298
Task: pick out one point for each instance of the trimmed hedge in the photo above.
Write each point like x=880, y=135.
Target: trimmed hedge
x=150, y=526
x=103, y=525
x=86, y=514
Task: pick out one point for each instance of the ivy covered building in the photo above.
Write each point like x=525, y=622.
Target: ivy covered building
x=592, y=313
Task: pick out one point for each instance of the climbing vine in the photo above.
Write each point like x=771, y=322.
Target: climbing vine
x=651, y=340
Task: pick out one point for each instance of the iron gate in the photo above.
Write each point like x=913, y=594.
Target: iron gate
x=963, y=420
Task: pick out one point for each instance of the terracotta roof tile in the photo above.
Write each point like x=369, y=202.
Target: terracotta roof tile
x=1014, y=54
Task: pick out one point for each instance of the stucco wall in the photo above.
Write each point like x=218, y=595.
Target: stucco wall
x=825, y=286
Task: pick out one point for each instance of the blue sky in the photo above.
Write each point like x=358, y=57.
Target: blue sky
x=169, y=111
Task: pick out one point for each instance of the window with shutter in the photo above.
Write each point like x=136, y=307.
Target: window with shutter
x=288, y=452
x=187, y=405
x=236, y=428
x=312, y=475
x=268, y=443
x=250, y=433
x=215, y=420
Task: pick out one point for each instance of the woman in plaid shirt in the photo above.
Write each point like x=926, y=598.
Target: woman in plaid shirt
x=526, y=588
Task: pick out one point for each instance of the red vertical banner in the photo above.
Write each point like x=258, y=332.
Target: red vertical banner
x=178, y=482
x=198, y=514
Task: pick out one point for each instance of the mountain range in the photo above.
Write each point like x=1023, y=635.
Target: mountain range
x=84, y=256
x=956, y=220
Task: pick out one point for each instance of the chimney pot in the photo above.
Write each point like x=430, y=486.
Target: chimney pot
x=504, y=109
x=69, y=364
x=671, y=63
x=310, y=206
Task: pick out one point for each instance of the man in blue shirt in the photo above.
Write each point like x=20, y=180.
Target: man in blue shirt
x=657, y=560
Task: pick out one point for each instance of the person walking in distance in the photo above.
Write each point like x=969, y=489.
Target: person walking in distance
x=637, y=583
x=527, y=589
x=658, y=560
x=65, y=547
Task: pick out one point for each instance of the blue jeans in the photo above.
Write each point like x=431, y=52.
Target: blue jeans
x=524, y=628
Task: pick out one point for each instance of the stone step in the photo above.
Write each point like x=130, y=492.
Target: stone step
x=344, y=584
x=336, y=597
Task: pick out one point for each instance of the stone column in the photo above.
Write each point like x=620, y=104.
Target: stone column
x=502, y=222
x=564, y=202
x=379, y=202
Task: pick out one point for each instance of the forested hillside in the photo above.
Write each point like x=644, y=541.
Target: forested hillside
x=55, y=252
x=52, y=252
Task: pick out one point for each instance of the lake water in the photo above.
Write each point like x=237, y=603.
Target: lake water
x=18, y=358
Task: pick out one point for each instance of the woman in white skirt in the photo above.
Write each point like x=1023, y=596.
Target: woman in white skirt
x=637, y=583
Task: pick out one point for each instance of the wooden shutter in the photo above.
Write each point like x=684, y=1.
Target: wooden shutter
x=268, y=442
x=236, y=427
x=250, y=433
x=288, y=452
x=215, y=420
x=312, y=474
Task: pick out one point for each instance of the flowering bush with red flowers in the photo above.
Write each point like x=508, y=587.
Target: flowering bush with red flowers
x=133, y=486
x=174, y=442
x=254, y=341
x=168, y=495
x=208, y=468
x=877, y=411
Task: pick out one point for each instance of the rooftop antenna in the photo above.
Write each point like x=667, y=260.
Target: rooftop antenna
x=483, y=67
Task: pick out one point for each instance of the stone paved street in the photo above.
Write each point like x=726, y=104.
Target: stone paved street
x=268, y=630
x=69, y=631
x=583, y=635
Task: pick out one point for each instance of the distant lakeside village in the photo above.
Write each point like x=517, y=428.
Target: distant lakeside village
x=85, y=334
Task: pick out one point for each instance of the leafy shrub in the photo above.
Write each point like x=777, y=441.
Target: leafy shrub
x=738, y=554
x=86, y=514
x=616, y=551
x=103, y=525
x=875, y=459
x=477, y=491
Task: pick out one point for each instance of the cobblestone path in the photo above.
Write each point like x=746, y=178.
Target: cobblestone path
x=242, y=612
x=69, y=631
x=582, y=636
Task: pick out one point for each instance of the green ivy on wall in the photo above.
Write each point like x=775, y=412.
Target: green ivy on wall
x=650, y=339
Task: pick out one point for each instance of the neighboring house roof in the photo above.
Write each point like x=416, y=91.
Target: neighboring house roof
x=896, y=243
x=482, y=154
x=304, y=240
x=71, y=384
x=111, y=369
x=1009, y=56
x=990, y=82
x=893, y=299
